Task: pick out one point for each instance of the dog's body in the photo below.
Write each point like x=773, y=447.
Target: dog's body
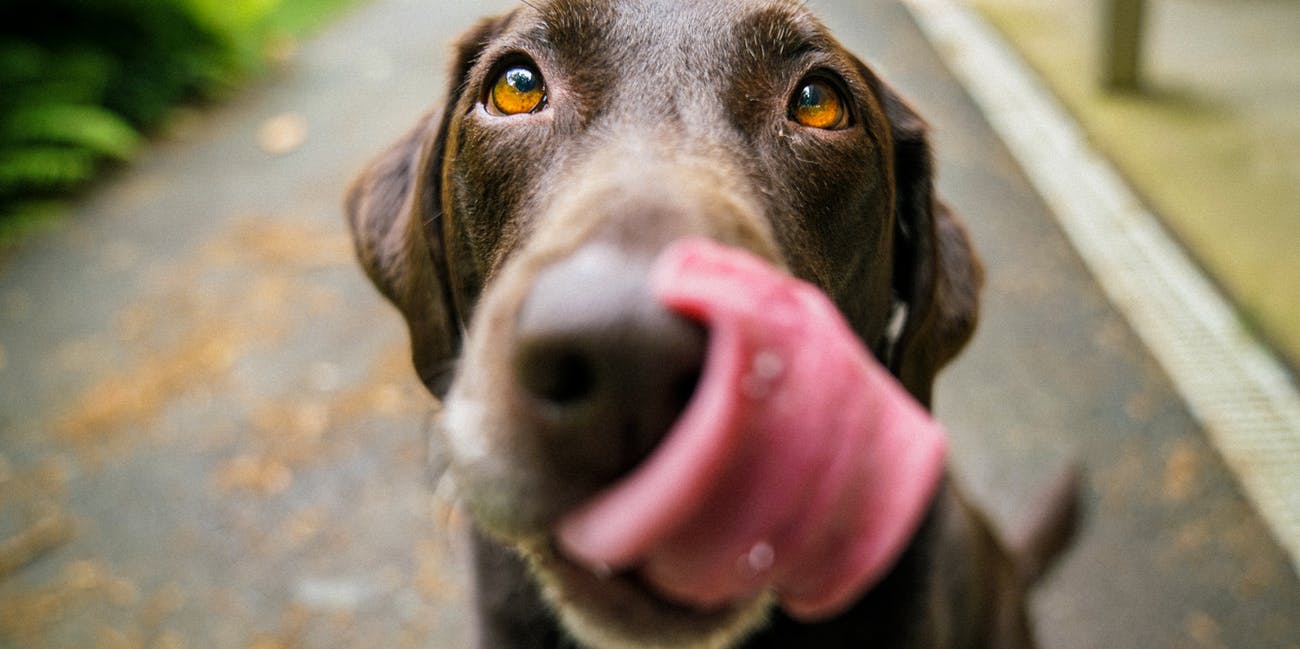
x=527, y=212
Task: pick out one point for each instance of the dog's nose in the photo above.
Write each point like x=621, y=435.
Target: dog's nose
x=604, y=369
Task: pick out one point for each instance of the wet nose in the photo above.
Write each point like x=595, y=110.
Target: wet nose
x=604, y=369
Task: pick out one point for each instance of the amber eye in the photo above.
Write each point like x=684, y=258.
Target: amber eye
x=519, y=89
x=818, y=104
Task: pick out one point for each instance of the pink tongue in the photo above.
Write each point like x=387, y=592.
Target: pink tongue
x=800, y=465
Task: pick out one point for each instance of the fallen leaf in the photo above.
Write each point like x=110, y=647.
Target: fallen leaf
x=264, y=476
x=1203, y=629
x=282, y=134
x=266, y=643
x=39, y=538
x=1181, y=473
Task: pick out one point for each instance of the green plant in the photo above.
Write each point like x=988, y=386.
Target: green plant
x=81, y=81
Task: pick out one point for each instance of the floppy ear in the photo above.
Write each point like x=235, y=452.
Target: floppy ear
x=936, y=273
x=394, y=209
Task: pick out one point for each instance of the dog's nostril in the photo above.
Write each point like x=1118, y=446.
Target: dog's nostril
x=604, y=371
x=557, y=374
x=683, y=389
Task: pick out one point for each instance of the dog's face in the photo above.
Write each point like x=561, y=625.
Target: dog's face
x=515, y=226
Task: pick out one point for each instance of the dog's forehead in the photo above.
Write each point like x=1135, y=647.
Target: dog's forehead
x=687, y=29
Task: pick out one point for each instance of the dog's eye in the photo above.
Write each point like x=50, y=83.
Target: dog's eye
x=818, y=104
x=519, y=89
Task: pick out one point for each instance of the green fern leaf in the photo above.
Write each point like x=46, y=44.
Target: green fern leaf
x=44, y=168
x=89, y=127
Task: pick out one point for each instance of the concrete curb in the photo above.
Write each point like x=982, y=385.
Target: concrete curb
x=1235, y=388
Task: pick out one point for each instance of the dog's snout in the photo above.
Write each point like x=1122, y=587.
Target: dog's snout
x=604, y=370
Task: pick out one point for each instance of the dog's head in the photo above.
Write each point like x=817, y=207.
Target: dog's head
x=514, y=227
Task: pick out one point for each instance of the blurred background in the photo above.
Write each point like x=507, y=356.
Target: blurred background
x=1202, y=118
x=86, y=82
x=210, y=433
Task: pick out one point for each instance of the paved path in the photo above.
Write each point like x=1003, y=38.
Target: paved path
x=209, y=435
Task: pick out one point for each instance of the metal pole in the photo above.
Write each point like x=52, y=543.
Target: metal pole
x=1121, y=68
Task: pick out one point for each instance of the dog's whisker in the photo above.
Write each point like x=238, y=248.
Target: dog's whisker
x=446, y=498
x=436, y=460
x=446, y=512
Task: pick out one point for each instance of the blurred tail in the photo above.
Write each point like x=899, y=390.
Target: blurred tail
x=1050, y=528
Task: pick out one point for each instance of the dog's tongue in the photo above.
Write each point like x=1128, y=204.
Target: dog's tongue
x=800, y=466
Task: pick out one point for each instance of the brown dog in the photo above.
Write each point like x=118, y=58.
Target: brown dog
x=514, y=227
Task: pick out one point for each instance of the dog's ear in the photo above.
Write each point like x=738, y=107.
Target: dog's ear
x=937, y=276
x=394, y=210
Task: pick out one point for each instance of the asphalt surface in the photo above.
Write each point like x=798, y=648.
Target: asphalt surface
x=210, y=436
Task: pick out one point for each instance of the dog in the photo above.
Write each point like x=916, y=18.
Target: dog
x=514, y=228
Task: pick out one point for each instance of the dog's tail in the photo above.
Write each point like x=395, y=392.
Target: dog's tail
x=1050, y=528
